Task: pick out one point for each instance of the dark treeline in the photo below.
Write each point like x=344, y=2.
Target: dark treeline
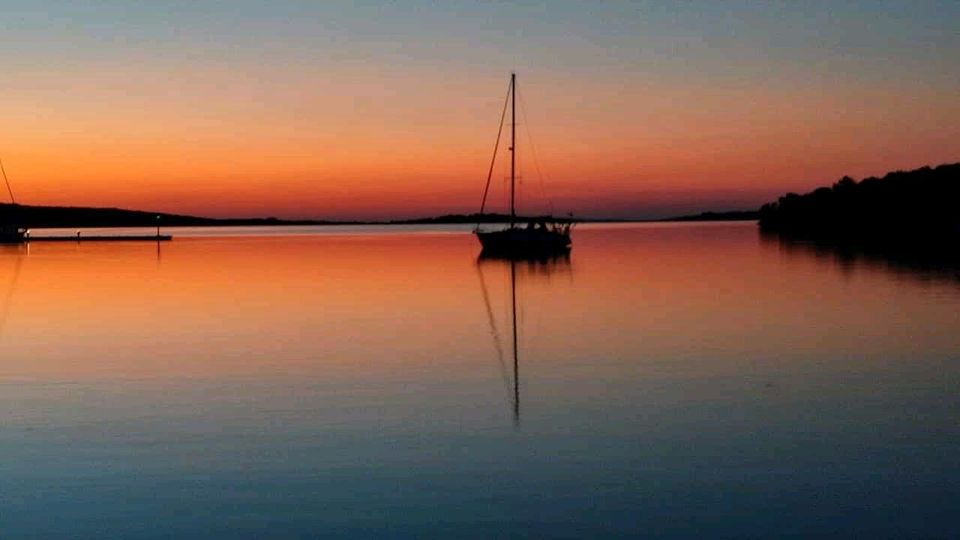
x=477, y=218
x=27, y=216
x=66, y=216
x=907, y=221
x=70, y=217
x=736, y=215
x=911, y=206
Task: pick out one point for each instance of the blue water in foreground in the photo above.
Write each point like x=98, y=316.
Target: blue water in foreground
x=672, y=381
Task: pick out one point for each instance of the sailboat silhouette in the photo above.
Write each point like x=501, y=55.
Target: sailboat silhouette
x=544, y=236
x=10, y=230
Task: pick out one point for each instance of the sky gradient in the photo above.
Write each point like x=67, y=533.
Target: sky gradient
x=362, y=110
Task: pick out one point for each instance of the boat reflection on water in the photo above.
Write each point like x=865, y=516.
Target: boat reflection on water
x=538, y=267
x=7, y=252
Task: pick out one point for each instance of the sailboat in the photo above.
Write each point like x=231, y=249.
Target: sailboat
x=532, y=238
x=10, y=231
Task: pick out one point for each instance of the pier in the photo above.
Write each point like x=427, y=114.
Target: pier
x=101, y=238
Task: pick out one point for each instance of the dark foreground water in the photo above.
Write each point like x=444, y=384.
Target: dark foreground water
x=672, y=381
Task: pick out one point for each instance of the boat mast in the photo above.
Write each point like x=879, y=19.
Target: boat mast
x=513, y=147
x=7, y=181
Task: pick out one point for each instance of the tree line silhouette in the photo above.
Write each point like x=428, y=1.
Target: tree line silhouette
x=28, y=216
x=914, y=206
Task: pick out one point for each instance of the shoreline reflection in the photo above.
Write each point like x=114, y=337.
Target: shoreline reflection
x=922, y=261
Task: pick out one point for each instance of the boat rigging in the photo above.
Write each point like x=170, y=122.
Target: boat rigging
x=10, y=230
x=538, y=237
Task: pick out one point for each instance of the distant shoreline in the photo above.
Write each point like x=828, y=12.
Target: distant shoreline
x=65, y=217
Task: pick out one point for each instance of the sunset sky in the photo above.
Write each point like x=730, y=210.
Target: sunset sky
x=380, y=110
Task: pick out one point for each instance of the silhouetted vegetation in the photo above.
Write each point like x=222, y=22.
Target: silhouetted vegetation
x=27, y=216
x=917, y=206
x=479, y=218
x=736, y=215
x=72, y=217
x=67, y=216
x=908, y=221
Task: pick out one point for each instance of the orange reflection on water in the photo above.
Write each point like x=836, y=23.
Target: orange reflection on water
x=202, y=306
x=694, y=299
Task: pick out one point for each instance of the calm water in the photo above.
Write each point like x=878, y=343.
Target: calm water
x=674, y=380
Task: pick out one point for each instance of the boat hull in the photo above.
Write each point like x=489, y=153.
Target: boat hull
x=12, y=235
x=522, y=243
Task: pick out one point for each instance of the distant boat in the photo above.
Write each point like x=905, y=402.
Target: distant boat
x=536, y=237
x=12, y=234
x=10, y=231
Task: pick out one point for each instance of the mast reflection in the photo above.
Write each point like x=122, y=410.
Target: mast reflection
x=17, y=253
x=536, y=268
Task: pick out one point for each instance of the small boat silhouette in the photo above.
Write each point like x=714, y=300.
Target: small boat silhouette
x=10, y=231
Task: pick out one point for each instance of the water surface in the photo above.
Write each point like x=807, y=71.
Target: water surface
x=673, y=380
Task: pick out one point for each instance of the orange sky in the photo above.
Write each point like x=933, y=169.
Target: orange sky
x=238, y=125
